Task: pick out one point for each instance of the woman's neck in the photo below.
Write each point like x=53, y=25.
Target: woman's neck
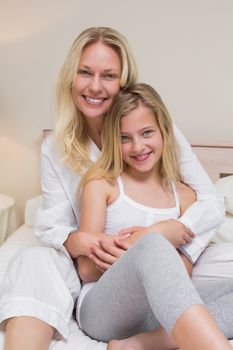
x=96, y=138
x=94, y=132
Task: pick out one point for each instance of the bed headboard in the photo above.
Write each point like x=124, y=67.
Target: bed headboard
x=216, y=159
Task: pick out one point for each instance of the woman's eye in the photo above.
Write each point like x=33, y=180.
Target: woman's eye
x=84, y=73
x=124, y=138
x=148, y=133
x=109, y=76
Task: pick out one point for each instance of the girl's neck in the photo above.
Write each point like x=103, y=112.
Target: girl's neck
x=147, y=189
x=152, y=176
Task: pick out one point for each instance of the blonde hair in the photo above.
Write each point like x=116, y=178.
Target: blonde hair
x=71, y=129
x=110, y=163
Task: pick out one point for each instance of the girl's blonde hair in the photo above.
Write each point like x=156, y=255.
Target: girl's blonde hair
x=110, y=163
x=71, y=129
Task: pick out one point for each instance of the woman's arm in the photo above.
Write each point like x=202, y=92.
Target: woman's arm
x=55, y=218
x=187, y=198
x=205, y=215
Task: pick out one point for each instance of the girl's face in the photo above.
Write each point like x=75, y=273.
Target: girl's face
x=141, y=140
x=97, y=80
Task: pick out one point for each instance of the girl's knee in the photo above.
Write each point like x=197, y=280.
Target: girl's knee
x=153, y=248
x=154, y=242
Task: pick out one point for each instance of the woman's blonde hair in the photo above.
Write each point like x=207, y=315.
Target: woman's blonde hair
x=71, y=129
x=110, y=163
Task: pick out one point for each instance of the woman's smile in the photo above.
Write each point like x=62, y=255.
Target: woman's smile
x=94, y=101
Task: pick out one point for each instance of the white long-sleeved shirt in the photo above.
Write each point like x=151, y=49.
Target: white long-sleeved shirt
x=59, y=213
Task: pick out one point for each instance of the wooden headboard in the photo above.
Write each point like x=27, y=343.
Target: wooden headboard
x=216, y=159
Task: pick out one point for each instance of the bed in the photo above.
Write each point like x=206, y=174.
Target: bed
x=218, y=161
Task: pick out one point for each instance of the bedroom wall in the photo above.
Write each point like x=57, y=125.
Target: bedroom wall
x=183, y=48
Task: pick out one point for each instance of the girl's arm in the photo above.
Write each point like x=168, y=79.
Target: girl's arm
x=56, y=218
x=187, y=197
x=205, y=215
x=92, y=219
x=174, y=231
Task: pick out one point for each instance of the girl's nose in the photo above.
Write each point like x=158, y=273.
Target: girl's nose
x=137, y=146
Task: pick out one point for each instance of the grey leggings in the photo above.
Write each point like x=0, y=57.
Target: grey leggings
x=146, y=288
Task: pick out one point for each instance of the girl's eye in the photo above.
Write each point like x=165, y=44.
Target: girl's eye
x=84, y=73
x=147, y=133
x=124, y=138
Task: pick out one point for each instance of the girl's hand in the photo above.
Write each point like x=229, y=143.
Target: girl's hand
x=107, y=252
x=130, y=230
x=174, y=231
x=78, y=243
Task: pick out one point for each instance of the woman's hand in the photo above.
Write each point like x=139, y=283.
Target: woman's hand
x=175, y=232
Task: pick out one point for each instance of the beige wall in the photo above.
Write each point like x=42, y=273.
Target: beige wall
x=183, y=47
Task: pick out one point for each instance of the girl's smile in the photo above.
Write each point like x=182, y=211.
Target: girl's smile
x=142, y=157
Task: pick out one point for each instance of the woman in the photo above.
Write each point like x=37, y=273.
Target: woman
x=98, y=65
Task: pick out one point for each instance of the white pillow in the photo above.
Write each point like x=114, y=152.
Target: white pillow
x=225, y=187
x=225, y=231
x=31, y=207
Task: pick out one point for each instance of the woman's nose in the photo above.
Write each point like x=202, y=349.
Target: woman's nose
x=95, y=84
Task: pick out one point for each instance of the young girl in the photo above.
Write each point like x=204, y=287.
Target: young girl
x=136, y=181
x=153, y=145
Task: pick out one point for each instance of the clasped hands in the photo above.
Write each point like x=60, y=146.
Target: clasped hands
x=111, y=247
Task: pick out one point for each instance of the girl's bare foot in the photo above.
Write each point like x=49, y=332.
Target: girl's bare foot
x=153, y=340
x=122, y=345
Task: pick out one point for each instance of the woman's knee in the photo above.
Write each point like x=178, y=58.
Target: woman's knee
x=29, y=262
x=32, y=254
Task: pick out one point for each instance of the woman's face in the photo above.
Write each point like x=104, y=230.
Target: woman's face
x=97, y=80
